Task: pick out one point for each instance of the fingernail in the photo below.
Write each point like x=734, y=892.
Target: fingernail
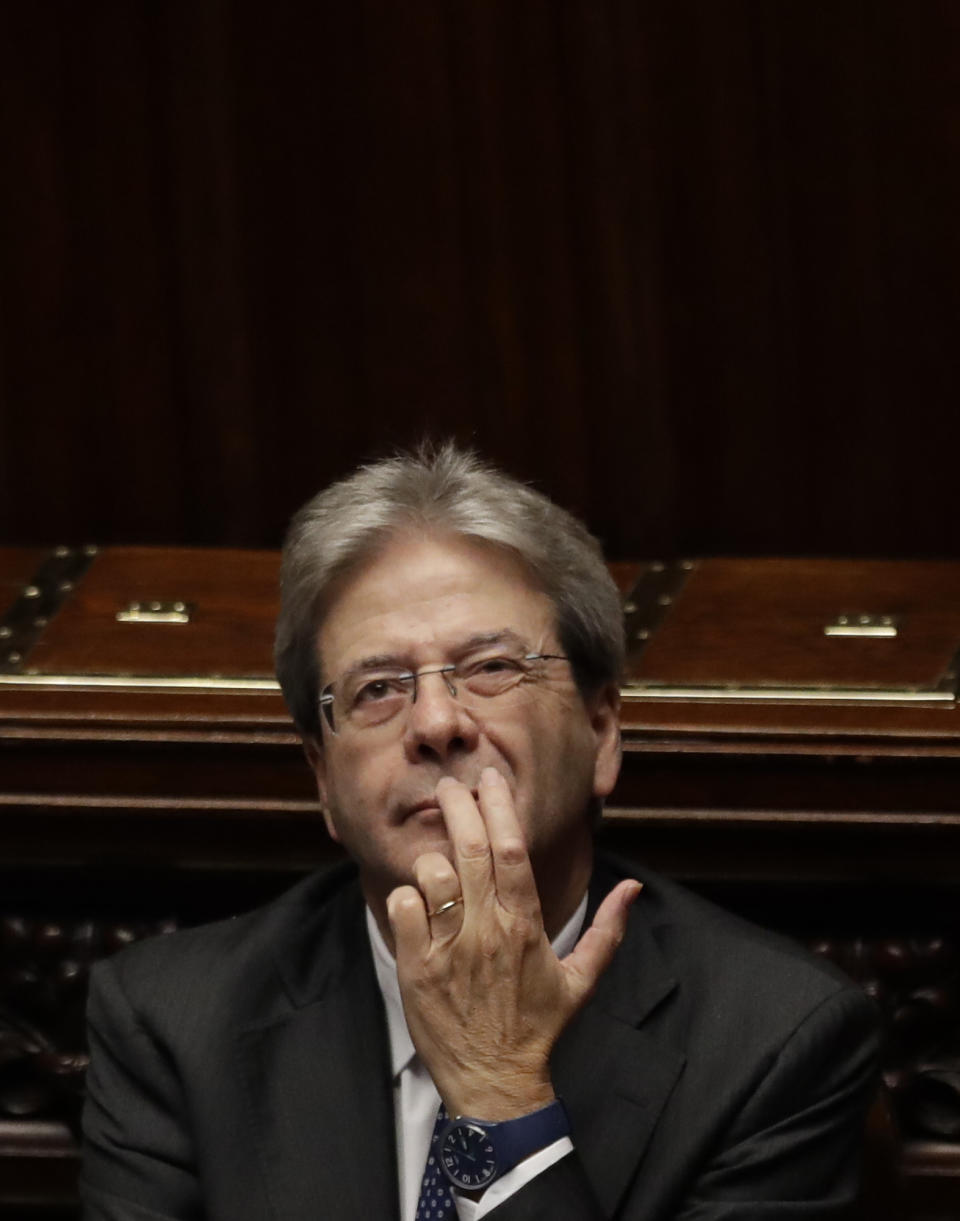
x=490, y=775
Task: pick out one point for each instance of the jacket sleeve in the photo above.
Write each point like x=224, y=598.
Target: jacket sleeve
x=138, y=1163
x=795, y=1150
x=791, y=1153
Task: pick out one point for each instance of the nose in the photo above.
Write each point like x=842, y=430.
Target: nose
x=438, y=725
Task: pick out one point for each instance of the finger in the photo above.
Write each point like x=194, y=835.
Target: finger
x=436, y=879
x=594, y=951
x=408, y=923
x=438, y=883
x=513, y=873
x=469, y=842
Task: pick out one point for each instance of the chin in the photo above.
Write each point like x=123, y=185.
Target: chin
x=434, y=843
x=428, y=840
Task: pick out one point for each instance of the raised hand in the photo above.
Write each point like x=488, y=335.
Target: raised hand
x=485, y=996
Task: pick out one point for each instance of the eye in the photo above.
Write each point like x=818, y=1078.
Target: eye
x=492, y=675
x=497, y=665
x=376, y=690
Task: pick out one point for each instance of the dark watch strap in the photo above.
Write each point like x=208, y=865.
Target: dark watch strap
x=515, y=1139
x=518, y=1138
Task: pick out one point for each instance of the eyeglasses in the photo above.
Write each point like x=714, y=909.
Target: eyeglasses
x=368, y=699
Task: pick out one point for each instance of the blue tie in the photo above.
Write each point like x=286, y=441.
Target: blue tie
x=436, y=1198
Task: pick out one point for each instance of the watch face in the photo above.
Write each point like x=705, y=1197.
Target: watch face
x=468, y=1156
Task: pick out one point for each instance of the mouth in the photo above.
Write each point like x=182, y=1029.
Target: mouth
x=427, y=810
x=427, y=816
x=430, y=805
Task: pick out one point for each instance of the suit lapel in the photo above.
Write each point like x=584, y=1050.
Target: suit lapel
x=614, y=1069
x=319, y=1085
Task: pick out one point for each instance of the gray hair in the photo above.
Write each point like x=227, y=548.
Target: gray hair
x=448, y=491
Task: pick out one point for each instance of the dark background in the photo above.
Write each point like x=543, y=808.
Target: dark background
x=694, y=268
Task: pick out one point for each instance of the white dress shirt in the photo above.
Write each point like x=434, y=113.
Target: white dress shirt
x=416, y=1101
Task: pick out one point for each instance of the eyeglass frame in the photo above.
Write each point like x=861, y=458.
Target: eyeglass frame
x=327, y=696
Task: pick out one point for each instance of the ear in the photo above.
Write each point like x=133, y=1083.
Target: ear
x=604, y=710
x=318, y=765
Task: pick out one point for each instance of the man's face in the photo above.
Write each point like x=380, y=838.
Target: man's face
x=429, y=601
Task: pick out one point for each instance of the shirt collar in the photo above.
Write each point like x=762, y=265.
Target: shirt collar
x=402, y=1050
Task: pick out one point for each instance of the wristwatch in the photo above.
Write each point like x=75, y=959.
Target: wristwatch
x=474, y=1152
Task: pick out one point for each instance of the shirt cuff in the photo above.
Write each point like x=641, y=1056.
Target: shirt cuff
x=523, y=1173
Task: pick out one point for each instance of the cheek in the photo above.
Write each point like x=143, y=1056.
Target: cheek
x=564, y=758
x=356, y=783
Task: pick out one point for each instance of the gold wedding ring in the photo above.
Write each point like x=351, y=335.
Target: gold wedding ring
x=445, y=907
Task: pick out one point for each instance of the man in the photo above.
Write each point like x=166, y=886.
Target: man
x=449, y=645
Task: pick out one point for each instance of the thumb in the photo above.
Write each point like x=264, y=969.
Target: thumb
x=594, y=951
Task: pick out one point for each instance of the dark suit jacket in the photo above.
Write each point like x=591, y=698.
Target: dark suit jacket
x=241, y=1071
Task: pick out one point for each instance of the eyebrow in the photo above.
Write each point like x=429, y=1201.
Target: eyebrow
x=394, y=661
